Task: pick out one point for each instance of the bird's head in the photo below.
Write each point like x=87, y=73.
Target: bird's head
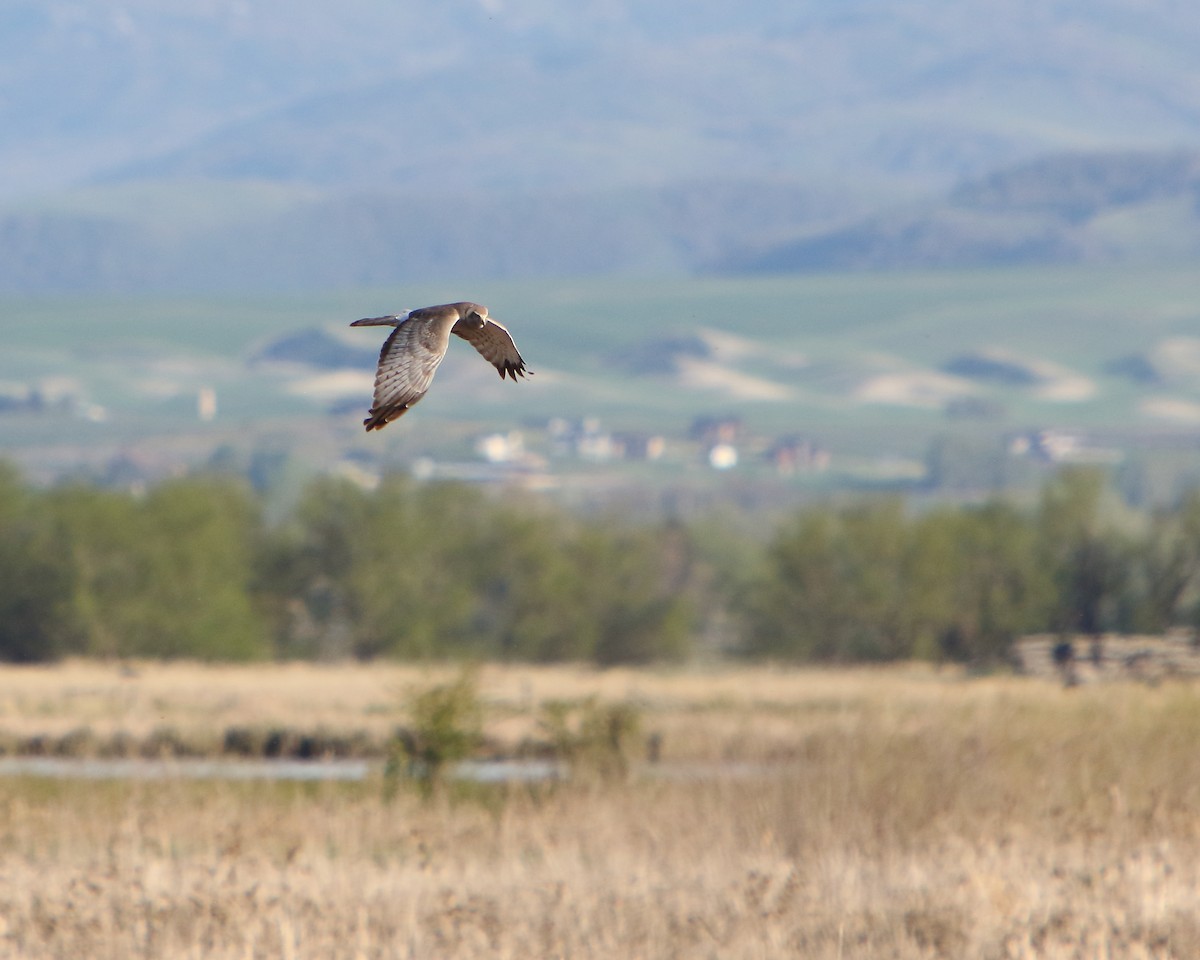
x=474, y=313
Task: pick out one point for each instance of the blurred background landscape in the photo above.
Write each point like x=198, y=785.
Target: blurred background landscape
x=764, y=264
x=832, y=588
x=799, y=246
x=756, y=259
x=250, y=146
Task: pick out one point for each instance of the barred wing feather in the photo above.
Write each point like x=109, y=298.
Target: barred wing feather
x=407, y=364
x=495, y=345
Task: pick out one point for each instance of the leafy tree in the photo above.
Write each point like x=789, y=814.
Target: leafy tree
x=104, y=545
x=974, y=582
x=190, y=570
x=168, y=575
x=832, y=586
x=638, y=613
x=205, y=535
x=534, y=602
x=1164, y=567
x=413, y=578
x=304, y=578
x=1084, y=549
x=36, y=583
x=443, y=571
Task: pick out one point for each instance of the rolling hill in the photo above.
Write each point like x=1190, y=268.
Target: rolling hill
x=1119, y=208
x=1071, y=208
x=220, y=145
x=499, y=95
x=876, y=369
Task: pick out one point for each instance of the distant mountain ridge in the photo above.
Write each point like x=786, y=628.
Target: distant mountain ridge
x=251, y=238
x=1077, y=186
x=220, y=144
x=514, y=94
x=1072, y=208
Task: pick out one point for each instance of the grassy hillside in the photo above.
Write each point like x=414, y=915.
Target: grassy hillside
x=258, y=235
x=867, y=365
x=1115, y=207
x=223, y=236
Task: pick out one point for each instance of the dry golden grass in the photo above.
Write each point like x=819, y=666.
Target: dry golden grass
x=704, y=714
x=895, y=813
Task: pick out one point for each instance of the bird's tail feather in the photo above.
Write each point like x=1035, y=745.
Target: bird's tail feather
x=391, y=320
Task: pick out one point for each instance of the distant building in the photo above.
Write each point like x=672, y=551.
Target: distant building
x=722, y=456
x=789, y=455
x=710, y=431
x=52, y=394
x=501, y=447
x=638, y=446
x=206, y=404
x=584, y=438
x=1060, y=446
x=20, y=398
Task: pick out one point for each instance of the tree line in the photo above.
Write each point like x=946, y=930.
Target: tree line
x=195, y=568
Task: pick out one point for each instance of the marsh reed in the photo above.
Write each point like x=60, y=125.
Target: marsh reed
x=888, y=813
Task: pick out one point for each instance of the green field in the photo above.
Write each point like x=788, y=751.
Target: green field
x=853, y=361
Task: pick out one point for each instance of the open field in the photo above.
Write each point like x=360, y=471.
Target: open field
x=898, y=813
x=872, y=367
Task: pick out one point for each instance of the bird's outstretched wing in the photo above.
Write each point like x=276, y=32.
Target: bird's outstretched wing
x=496, y=346
x=407, y=364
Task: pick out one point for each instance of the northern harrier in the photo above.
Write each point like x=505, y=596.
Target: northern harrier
x=411, y=355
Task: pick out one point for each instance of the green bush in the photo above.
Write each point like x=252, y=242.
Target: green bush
x=445, y=727
x=594, y=739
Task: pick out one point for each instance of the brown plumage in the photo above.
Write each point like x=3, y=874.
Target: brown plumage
x=410, y=356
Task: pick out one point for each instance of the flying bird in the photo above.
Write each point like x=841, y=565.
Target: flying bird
x=411, y=354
